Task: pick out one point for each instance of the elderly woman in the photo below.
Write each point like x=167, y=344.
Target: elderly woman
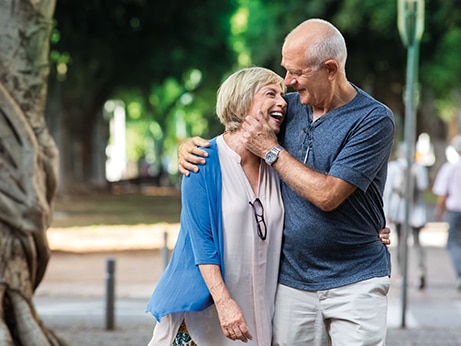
x=220, y=283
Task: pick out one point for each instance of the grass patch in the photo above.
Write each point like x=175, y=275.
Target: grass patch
x=146, y=207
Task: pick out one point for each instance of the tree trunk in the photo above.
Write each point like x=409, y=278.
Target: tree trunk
x=28, y=168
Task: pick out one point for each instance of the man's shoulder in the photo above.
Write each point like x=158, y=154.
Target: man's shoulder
x=292, y=98
x=295, y=109
x=368, y=100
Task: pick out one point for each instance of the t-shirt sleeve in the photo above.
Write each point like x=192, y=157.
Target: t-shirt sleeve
x=440, y=186
x=366, y=150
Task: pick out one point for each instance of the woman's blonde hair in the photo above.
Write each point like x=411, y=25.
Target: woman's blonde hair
x=235, y=94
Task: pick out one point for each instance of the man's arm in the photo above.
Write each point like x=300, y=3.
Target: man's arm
x=324, y=191
x=440, y=207
x=190, y=155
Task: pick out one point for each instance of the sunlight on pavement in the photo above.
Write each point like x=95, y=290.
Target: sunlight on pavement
x=111, y=238
x=141, y=237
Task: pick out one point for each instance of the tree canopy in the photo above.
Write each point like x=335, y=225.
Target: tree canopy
x=166, y=60
x=137, y=51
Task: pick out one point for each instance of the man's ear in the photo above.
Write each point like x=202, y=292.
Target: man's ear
x=331, y=67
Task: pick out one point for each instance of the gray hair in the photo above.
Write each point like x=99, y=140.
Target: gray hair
x=330, y=44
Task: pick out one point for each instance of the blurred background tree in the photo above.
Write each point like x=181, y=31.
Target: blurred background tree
x=155, y=56
x=165, y=61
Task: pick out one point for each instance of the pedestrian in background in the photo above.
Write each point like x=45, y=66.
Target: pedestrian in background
x=395, y=203
x=447, y=186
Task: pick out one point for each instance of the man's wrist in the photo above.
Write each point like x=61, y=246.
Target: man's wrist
x=273, y=154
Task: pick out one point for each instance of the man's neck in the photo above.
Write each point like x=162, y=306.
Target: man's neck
x=342, y=95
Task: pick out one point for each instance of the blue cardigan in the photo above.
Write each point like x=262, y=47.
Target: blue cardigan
x=181, y=287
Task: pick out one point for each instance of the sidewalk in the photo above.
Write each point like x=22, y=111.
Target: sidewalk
x=71, y=298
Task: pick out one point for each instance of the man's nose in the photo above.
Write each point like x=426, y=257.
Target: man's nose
x=289, y=80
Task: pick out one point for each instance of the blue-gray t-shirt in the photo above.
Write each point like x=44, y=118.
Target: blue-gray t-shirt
x=323, y=250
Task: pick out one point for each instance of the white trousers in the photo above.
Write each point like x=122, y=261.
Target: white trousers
x=352, y=315
x=165, y=331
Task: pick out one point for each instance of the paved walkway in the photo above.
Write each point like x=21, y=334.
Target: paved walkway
x=71, y=298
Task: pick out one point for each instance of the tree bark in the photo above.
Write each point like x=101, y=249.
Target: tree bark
x=28, y=168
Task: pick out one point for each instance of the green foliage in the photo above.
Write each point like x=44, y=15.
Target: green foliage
x=149, y=53
x=173, y=111
x=377, y=57
x=144, y=40
x=444, y=70
x=165, y=60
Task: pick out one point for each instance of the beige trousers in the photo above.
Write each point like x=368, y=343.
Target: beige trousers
x=355, y=314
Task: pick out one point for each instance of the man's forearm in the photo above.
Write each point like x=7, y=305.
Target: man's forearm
x=324, y=191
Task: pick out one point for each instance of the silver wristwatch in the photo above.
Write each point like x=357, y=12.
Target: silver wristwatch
x=273, y=154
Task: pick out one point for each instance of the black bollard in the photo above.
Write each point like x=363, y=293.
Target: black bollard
x=110, y=293
x=165, y=250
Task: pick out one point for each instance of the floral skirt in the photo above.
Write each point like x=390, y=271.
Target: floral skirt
x=182, y=337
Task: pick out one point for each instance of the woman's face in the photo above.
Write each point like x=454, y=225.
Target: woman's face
x=271, y=102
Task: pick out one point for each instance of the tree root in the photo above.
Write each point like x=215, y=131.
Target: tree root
x=30, y=328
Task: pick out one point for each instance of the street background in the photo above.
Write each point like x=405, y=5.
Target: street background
x=72, y=297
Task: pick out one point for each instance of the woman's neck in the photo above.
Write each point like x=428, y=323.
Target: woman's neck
x=250, y=163
x=234, y=141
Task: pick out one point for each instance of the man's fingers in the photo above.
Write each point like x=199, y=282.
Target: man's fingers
x=385, y=237
x=190, y=146
x=200, y=142
x=183, y=171
x=189, y=155
x=196, y=155
x=250, y=121
x=185, y=166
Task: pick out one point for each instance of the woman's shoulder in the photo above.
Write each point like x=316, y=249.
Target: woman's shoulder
x=211, y=168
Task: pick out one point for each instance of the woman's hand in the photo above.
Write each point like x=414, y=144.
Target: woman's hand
x=232, y=321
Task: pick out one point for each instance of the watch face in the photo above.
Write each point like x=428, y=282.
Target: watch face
x=270, y=157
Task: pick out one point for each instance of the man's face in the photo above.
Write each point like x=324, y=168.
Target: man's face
x=308, y=81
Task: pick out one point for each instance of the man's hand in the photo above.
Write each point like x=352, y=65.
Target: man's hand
x=385, y=236
x=258, y=137
x=190, y=155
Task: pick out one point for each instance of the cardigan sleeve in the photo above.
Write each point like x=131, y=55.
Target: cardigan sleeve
x=199, y=217
x=181, y=287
